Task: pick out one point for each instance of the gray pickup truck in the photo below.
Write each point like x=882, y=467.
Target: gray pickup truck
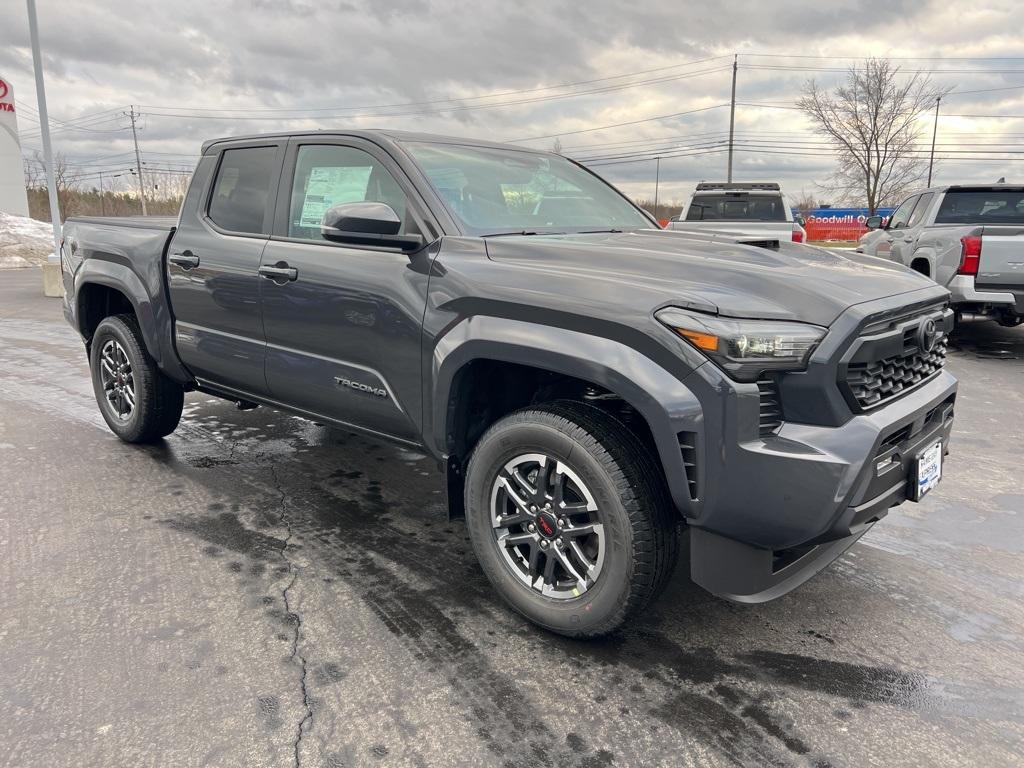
x=595, y=390
x=969, y=239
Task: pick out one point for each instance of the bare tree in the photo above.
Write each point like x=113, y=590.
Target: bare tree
x=806, y=202
x=33, y=174
x=64, y=179
x=556, y=146
x=872, y=121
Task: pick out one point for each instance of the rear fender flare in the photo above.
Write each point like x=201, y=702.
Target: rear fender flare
x=663, y=399
x=119, y=277
x=153, y=314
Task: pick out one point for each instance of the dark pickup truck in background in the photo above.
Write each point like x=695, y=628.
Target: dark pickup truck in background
x=592, y=386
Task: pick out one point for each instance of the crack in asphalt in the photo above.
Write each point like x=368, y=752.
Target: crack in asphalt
x=294, y=617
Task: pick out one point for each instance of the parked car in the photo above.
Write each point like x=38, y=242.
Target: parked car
x=968, y=238
x=588, y=383
x=749, y=209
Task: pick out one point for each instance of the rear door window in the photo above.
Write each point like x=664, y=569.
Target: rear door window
x=997, y=206
x=241, y=191
x=736, y=206
x=921, y=209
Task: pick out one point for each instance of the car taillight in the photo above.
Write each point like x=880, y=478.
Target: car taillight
x=970, y=255
x=798, y=234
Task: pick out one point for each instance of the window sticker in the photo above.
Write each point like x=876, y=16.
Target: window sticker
x=329, y=186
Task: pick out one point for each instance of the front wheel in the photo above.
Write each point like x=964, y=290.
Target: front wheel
x=570, y=518
x=138, y=402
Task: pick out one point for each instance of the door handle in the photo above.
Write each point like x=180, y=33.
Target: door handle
x=280, y=271
x=185, y=259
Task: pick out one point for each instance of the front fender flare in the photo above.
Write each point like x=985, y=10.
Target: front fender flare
x=662, y=399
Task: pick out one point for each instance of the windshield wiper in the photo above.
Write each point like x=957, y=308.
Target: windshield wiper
x=523, y=232
x=600, y=231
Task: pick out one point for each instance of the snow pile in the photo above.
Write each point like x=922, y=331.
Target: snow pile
x=24, y=242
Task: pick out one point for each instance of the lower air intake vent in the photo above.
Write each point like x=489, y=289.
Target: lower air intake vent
x=771, y=406
x=688, y=449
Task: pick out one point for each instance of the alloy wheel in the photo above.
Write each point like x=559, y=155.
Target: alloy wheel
x=547, y=526
x=117, y=379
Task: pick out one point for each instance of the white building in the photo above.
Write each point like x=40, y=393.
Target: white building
x=13, y=198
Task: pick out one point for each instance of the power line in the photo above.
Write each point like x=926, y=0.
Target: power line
x=899, y=58
x=420, y=112
x=452, y=100
x=804, y=68
x=618, y=125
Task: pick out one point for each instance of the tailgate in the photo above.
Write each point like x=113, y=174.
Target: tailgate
x=1002, y=258
x=755, y=230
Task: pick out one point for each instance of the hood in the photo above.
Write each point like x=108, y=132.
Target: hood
x=796, y=282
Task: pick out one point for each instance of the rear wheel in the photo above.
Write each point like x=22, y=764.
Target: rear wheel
x=570, y=518
x=1009, y=319
x=138, y=402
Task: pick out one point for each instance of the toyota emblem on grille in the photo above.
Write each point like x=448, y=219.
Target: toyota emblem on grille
x=928, y=335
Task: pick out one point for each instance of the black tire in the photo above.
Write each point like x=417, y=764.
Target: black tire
x=641, y=525
x=157, y=399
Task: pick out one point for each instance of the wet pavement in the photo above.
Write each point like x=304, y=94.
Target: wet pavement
x=260, y=590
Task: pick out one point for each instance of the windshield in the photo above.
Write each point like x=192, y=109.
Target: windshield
x=998, y=206
x=495, y=191
x=736, y=206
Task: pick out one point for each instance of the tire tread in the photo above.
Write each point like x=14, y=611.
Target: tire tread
x=640, y=484
x=158, y=398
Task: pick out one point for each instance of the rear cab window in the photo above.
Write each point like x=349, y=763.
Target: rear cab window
x=242, y=193
x=736, y=206
x=980, y=206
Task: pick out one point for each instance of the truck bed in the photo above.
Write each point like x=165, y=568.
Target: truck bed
x=166, y=223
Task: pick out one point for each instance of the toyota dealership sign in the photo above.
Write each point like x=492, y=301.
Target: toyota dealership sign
x=12, y=174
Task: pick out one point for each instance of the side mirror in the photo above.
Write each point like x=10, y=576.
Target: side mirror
x=873, y=222
x=367, y=223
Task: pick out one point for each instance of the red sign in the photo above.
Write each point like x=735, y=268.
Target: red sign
x=5, y=106
x=838, y=223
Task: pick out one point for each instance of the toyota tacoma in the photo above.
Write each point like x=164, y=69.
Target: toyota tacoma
x=969, y=239
x=596, y=391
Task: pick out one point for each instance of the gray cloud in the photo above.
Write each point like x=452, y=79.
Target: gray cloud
x=102, y=55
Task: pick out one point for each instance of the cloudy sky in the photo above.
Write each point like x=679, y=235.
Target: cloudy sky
x=613, y=81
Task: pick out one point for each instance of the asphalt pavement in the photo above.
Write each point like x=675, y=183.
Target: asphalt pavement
x=260, y=590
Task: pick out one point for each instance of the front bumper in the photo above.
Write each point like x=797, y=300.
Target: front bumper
x=819, y=496
x=774, y=507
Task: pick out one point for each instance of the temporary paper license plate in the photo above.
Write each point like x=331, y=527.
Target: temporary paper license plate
x=929, y=470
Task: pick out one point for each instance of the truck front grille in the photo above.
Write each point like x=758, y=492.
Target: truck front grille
x=888, y=365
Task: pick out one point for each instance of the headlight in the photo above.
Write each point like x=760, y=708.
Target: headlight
x=746, y=348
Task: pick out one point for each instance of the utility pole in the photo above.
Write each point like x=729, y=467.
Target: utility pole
x=732, y=110
x=44, y=125
x=138, y=161
x=657, y=178
x=935, y=130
